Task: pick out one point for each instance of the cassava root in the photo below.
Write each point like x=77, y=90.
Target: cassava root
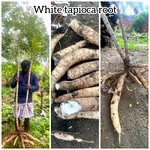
x=83, y=69
x=89, y=80
x=60, y=54
x=85, y=114
x=84, y=31
x=54, y=41
x=82, y=93
x=115, y=103
x=70, y=59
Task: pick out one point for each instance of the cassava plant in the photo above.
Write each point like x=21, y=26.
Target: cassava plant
x=130, y=70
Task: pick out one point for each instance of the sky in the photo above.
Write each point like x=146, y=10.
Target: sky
x=46, y=16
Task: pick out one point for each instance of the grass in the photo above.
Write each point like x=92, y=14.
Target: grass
x=39, y=125
x=133, y=42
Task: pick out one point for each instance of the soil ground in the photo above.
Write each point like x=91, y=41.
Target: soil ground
x=133, y=106
x=86, y=129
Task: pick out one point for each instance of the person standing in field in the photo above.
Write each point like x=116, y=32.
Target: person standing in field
x=22, y=92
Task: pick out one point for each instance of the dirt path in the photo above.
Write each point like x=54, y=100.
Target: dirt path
x=133, y=107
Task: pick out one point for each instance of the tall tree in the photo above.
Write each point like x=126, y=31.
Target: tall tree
x=32, y=37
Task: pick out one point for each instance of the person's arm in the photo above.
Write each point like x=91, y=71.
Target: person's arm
x=35, y=85
x=14, y=81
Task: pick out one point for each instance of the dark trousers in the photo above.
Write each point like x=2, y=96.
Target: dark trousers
x=26, y=124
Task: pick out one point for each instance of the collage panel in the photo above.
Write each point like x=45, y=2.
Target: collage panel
x=24, y=76
x=124, y=75
x=58, y=103
x=75, y=76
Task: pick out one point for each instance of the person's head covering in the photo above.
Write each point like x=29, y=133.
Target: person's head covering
x=25, y=63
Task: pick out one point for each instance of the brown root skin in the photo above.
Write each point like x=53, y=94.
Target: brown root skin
x=54, y=41
x=116, y=72
x=82, y=69
x=68, y=137
x=22, y=141
x=86, y=32
x=141, y=79
x=80, y=83
x=86, y=92
x=88, y=104
x=115, y=103
x=8, y=140
x=86, y=114
x=139, y=65
x=70, y=59
x=60, y=54
x=134, y=78
x=31, y=137
x=21, y=136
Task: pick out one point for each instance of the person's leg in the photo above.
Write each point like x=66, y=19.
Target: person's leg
x=26, y=125
x=17, y=129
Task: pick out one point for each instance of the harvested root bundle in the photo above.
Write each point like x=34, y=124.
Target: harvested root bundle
x=24, y=138
x=83, y=82
x=86, y=114
x=86, y=92
x=75, y=105
x=83, y=69
x=54, y=41
x=70, y=59
x=60, y=54
x=86, y=32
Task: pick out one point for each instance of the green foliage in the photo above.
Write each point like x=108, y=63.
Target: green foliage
x=23, y=30
x=134, y=40
x=8, y=70
x=6, y=92
x=138, y=21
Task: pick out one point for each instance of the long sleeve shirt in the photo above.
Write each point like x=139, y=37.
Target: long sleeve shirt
x=22, y=90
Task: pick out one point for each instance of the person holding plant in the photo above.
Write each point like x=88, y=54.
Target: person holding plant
x=23, y=86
